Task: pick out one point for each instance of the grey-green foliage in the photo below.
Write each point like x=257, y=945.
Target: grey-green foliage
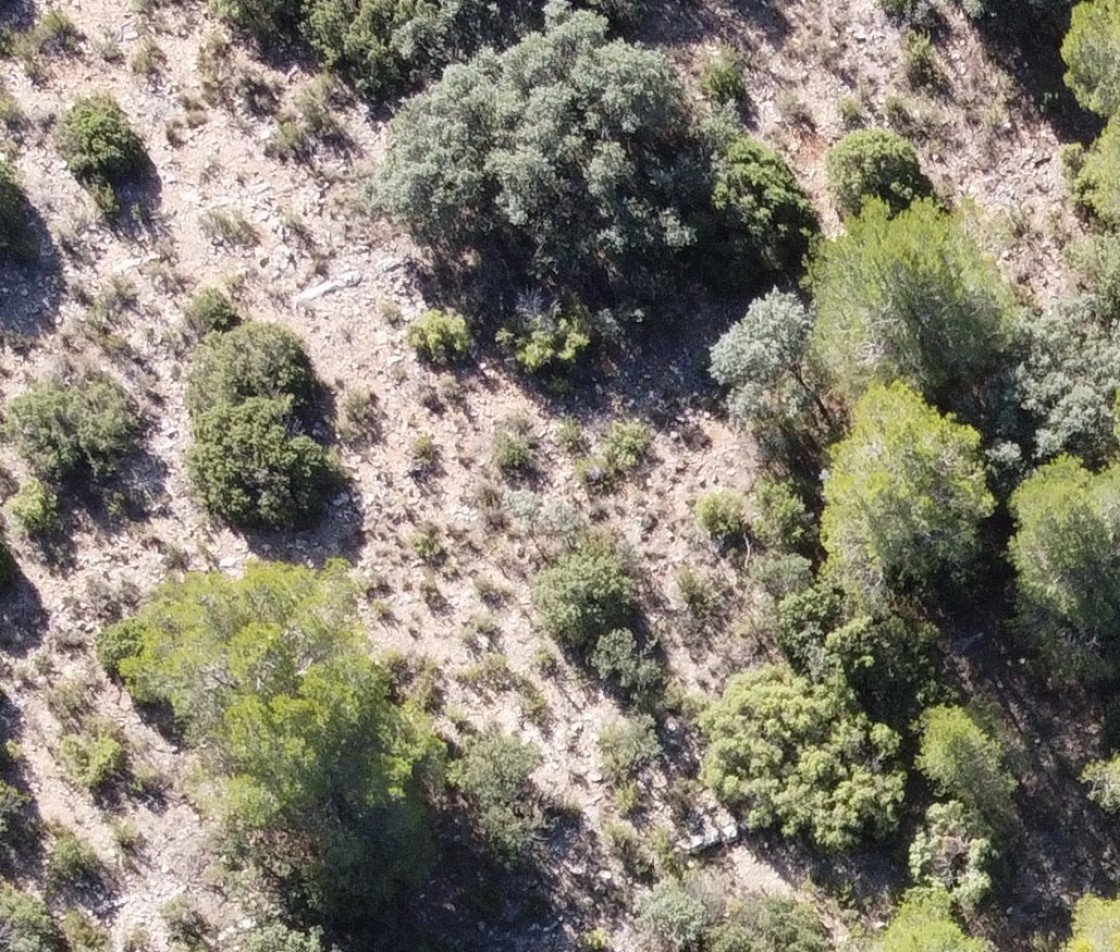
x=763, y=361
x=64, y=431
x=768, y=924
x=1067, y=379
x=953, y=851
x=1103, y=778
x=672, y=915
x=875, y=163
x=800, y=756
x=570, y=158
x=924, y=920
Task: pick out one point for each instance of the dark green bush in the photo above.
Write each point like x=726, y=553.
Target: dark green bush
x=769, y=924
x=252, y=360
x=722, y=515
x=25, y=923
x=763, y=221
x=586, y=594
x=249, y=470
x=100, y=147
x=211, y=310
x=72, y=862
x=620, y=661
x=875, y=163
x=493, y=774
x=34, y=509
x=1091, y=50
x=547, y=341
x=17, y=239
x=68, y=431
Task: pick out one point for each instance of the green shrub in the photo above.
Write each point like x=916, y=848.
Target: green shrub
x=72, y=863
x=875, y=163
x=626, y=746
x=514, y=451
x=253, y=360
x=964, y=761
x=721, y=78
x=799, y=756
x=277, y=937
x=905, y=497
x=269, y=676
x=17, y=237
x=1091, y=50
x=673, y=916
x=34, y=509
x=493, y=774
x=914, y=12
x=82, y=933
x=12, y=803
x=620, y=661
x=769, y=924
x=1068, y=522
x=25, y=922
x=919, y=62
x=924, y=920
x=439, y=337
x=1103, y=777
x=67, y=431
x=909, y=296
x=592, y=199
x=250, y=471
x=624, y=447
x=100, y=147
x=584, y=595
x=1096, y=925
x=783, y=521
x=94, y=758
x=952, y=852
x=211, y=310
x=547, y=341
x=763, y=222
x=722, y=515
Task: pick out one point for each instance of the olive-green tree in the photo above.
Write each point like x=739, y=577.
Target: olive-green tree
x=904, y=498
x=875, y=163
x=924, y=921
x=1091, y=50
x=269, y=676
x=909, y=297
x=1065, y=555
x=1096, y=925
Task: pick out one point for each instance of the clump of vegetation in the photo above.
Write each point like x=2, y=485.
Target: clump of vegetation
x=546, y=341
x=1091, y=50
x=912, y=297
x=72, y=863
x=18, y=241
x=493, y=774
x=875, y=164
x=100, y=148
x=26, y=923
x=924, y=919
x=514, y=452
x=94, y=758
x=1103, y=778
x=252, y=360
x=673, y=916
x=763, y=220
x=67, y=432
x=626, y=746
x=722, y=515
x=801, y=757
x=271, y=678
x=439, y=337
x=919, y=62
x=35, y=510
x=1067, y=522
x=607, y=216
x=905, y=497
x=622, y=450
x=82, y=933
x=721, y=78
x=211, y=310
x=586, y=594
x=249, y=470
x=966, y=762
x=953, y=852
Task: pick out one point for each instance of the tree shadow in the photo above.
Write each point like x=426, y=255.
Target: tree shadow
x=21, y=845
x=23, y=619
x=669, y=23
x=140, y=199
x=30, y=290
x=1026, y=42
